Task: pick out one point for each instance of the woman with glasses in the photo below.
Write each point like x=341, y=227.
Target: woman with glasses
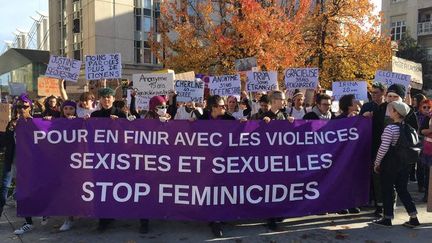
x=21, y=110
x=423, y=168
x=216, y=110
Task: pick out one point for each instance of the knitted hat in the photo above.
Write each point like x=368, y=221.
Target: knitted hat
x=24, y=98
x=297, y=94
x=104, y=92
x=156, y=101
x=69, y=103
x=397, y=89
x=401, y=108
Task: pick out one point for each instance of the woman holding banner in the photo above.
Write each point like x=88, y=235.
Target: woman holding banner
x=158, y=109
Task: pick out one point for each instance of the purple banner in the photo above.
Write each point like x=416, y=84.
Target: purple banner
x=203, y=170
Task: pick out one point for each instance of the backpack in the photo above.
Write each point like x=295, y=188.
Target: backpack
x=408, y=146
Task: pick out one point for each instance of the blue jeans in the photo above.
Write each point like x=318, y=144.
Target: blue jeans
x=5, y=184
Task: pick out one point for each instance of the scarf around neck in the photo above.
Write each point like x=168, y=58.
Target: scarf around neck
x=321, y=116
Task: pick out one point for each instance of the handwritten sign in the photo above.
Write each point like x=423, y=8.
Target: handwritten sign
x=389, y=78
x=17, y=88
x=141, y=101
x=185, y=76
x=103, y=66
x=63, y=68
x=5, y=116
x=190, y=91
x=245, y=64
x=301, y=78
x=415, y=70
x=153, y=84
x=261, y=81
x=357, y=88
x=225, y=85
x=48, y=86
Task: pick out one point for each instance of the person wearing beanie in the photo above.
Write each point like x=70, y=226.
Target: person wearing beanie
x=68, y=109
x=380, y=119
x=21, y=110
x=394, y=172
x=158, y=109
x=106, y=100
x=298, y=110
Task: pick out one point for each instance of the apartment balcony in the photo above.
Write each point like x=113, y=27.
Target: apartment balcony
x=424, y=28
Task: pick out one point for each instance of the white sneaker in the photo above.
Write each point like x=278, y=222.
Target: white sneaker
x=25, y=228
x=44, y=220
x=67, y=225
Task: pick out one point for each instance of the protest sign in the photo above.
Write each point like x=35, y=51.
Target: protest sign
x=48, y=86
x=185, y=76
x=261, y=81
x=5, y=115
x=413, y=69
x=190, y=91
x=17, y=88
x=205, y=170
x=104, y=66
x=245, y=64
x=357, y=88
x=389, y=78
x=152, y=84
x=225, y=85
x=63, y=68
x=141, y=101
x=301, y=78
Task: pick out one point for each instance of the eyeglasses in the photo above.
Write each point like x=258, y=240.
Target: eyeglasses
x=426, y=107
x=221, y=106
x=25, y=107
x=325, y=104
x=162, y=107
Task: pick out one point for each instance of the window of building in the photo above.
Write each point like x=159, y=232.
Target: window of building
x=398, y=30
x=76, y=26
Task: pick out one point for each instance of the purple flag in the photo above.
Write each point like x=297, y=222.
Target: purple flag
x=203, y=170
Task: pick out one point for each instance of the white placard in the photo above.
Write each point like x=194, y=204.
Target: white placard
x=357, y=88
x=301, y=78
x=17, y=88
x=225, y=85
x=415, y=70
x=190, y=91
x=261, y=81
x=389, y=78
x=153, y=84
x=245, y=64
x=104, y=66
x=141, y=101
x=63, y=68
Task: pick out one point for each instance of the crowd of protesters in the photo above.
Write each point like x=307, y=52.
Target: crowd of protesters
x=388, y=108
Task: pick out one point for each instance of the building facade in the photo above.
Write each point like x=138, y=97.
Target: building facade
x=88, y=27
x=413, y=18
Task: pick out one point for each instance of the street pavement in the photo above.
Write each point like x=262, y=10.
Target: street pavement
x=324, y=228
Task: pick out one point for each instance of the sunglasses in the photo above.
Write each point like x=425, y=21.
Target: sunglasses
x=22, y=106
x=162, y=107
x=426, y=107
x=221, y=106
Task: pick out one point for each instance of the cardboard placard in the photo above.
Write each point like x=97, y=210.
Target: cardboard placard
x=189, y=91
x=5, y=115
x=17, y=88
x=225, y=85
x=141, y=101
x=63, y=68
x=413, y=69
x=48, y=86
x=103, y=66
x=357, y=88
x=301, y=78
x=245, y=64
x=388, y=78
x=261, y=81
x=185, y=76
x=153, y=84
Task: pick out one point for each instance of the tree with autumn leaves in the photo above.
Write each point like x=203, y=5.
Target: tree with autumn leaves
x=207, y=36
